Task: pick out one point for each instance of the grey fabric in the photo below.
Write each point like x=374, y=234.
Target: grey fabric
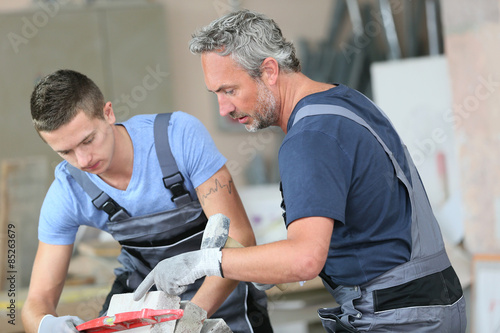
x=169, y=169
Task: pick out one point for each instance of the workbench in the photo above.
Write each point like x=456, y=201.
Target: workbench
x=295, y=308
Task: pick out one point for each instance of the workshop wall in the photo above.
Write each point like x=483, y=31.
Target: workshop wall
x=119, y=43
x=137, y=52
x=472, y=42
x=243, y=149
x=75, y=35
x=472, y=31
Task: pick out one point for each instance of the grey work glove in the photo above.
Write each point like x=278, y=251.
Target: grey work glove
x=192, y=319
x=64, y=324
x=174, y=274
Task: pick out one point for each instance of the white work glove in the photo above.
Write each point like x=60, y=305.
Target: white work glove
x=172, y=275
x=263, y=286
x=64, y=324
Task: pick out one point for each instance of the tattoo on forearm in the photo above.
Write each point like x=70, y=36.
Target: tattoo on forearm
x=218, y=186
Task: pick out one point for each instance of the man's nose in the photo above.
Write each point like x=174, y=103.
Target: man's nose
x=225, y=106
x=83, y=157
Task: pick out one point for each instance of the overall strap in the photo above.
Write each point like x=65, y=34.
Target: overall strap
x=100, y=200
x=172, y=178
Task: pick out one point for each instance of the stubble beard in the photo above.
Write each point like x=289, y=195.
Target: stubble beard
x=265, y=110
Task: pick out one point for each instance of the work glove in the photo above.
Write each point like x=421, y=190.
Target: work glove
x=262, y=286
x=64, y=324
x=192, y=319
x=173, y=275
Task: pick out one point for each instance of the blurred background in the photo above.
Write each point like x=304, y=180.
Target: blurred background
x=431, y=65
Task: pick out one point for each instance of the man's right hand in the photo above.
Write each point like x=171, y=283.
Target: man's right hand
x=64, y=324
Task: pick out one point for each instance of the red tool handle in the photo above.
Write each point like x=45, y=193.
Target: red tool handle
x=129, y=320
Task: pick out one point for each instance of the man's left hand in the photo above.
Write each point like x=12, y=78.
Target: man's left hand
x=173, y=275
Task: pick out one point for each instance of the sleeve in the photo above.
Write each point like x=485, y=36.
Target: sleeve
x=315, y=174
x=57, y=224
x=194, y=149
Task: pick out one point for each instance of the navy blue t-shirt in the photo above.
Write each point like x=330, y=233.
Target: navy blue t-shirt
x=331, y=166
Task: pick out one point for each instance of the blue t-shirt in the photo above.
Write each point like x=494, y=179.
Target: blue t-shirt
x=67, y=206
x=331, y=166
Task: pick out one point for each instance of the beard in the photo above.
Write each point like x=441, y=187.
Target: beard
x=265, y=109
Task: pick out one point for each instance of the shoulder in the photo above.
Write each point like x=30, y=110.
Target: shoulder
x=178, y=119
x=62, y=174
x=182, y=116
x=326, y=137
x=181, y=126
x=61, y=212
x=138, y=121
x=63, y=195
x=183, y=120
x=64, y=183
x=325, y=127
x=187, y=128
x=193, y=148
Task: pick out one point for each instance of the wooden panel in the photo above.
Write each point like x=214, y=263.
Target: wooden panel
x=23, y=187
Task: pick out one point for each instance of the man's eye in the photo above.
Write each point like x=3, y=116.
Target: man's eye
x=230, y=92
x=89, y=141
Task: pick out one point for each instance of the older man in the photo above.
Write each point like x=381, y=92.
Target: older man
x=355, y=208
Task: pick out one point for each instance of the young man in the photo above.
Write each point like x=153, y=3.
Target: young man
x=140, y=181
x=355, y=208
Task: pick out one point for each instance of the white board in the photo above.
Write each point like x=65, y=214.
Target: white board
x=415, y=95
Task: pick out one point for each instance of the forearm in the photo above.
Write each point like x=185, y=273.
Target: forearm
x=213, y=293
x=273, y=263
x=300, y=257
x=46, y=285
x=32, y=313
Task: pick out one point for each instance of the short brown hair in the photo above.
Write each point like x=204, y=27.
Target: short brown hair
x=59, y=96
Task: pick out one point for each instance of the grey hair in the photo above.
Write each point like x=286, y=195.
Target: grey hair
x=59, y=96
x=249, y=38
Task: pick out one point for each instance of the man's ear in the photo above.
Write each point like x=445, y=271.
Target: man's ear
x=109, y=114
x=270, y=70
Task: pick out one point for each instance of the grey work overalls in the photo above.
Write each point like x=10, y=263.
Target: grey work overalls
x=421, y=295
x=146, y=240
